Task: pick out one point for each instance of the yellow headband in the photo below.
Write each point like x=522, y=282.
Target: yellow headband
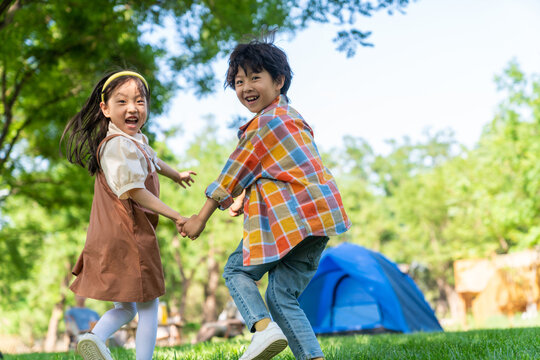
x=116, y=76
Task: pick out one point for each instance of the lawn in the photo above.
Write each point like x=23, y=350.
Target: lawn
x=517, y=343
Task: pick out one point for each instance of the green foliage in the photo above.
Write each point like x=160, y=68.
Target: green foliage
x=432, y=202
x=206, y=156
x=53, y=52
x=425, y=203
x=51, y=55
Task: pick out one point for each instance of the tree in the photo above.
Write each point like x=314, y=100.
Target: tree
x=195, y=266
x=51, y=55
x=53, y=52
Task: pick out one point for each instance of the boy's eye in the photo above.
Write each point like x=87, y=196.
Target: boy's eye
x=238, y=82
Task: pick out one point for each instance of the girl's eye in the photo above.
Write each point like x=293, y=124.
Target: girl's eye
x=238, y=82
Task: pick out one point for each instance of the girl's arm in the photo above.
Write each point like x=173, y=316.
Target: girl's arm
x=182, y=178
x=147, y=200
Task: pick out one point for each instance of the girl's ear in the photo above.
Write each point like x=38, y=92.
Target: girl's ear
x=104, y=109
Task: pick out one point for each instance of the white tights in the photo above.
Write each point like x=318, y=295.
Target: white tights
x=145, y=339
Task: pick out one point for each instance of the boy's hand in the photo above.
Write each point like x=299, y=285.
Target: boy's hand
x=193, y=227
x=237, y=206
x=184, y=177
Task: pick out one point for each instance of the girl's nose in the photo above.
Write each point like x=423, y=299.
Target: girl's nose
x=132, y=107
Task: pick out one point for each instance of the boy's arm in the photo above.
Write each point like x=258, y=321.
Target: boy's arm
x=147, y=200
x=242, y=169
x=196, y=224
x=181, y=178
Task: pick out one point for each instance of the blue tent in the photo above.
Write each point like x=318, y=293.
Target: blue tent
x=356, y=289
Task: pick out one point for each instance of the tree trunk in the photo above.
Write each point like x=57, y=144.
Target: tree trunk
x=449, y=301
x=10, y=9
x=57, y=312
x=210, y=301
x=185, y=279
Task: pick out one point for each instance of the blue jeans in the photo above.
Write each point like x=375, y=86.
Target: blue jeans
x=287, y=278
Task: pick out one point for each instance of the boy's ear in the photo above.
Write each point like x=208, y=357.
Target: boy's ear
x=280, y=81
x=104, y=109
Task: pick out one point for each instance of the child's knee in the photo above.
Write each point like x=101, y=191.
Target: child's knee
x=232, y=266
x=227, y=272
x=130, y=309
x=277, y=295
x=231, y=270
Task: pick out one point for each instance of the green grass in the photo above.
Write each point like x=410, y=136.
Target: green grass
x=517, y=343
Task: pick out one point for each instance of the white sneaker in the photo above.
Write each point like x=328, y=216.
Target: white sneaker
x=266, y=344
x=90, y=347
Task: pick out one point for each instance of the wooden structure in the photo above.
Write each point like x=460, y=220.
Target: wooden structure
x=503, y=284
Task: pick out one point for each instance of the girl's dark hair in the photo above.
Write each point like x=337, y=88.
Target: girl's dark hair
x=89, y=127
x=259, y=55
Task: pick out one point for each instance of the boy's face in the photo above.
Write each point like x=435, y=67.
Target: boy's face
x=256, y=90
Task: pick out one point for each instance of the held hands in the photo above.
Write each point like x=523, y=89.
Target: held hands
x=196, y=224
x=192, y=228
x=179, y=222
x=184, y=178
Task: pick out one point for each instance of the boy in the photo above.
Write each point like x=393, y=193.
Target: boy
x=290, y=201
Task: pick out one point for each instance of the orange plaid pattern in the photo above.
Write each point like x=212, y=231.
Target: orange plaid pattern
x=290, y=195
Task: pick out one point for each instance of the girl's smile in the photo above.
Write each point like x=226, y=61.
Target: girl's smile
x=126, y=108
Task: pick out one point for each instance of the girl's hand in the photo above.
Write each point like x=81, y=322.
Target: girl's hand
x=184, y=177
x=180, y=224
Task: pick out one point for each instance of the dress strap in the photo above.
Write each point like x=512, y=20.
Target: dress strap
x=136, y=144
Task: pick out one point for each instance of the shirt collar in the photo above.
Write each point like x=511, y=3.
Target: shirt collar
x=280, y=101
x=113, y=129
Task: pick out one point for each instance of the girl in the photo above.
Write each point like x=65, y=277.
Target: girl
x=120, y=261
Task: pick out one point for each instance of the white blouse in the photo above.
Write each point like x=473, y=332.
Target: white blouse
x=123, y=164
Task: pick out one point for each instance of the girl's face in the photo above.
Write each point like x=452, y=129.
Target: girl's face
x=126, y=107
x=256, y=90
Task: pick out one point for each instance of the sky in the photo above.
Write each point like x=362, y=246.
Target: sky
x=430, y=68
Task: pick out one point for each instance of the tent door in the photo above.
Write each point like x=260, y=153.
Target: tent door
x=353, y=307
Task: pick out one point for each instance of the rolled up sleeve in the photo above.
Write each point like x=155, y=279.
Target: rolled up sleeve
x=242, y=169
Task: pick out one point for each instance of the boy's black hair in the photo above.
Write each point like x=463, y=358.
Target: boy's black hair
x=258, y=56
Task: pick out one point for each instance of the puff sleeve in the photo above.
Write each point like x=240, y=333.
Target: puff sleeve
x=124, y=166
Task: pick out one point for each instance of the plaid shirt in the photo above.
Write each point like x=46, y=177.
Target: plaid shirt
x=290, y=195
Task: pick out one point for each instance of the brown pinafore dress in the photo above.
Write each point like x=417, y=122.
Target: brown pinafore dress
x=120, y=260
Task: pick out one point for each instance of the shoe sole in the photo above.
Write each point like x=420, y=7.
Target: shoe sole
x=89, y=350
x=272, y=350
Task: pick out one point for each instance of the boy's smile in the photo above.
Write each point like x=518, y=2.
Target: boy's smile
x=256, y=90
x=126, y=108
